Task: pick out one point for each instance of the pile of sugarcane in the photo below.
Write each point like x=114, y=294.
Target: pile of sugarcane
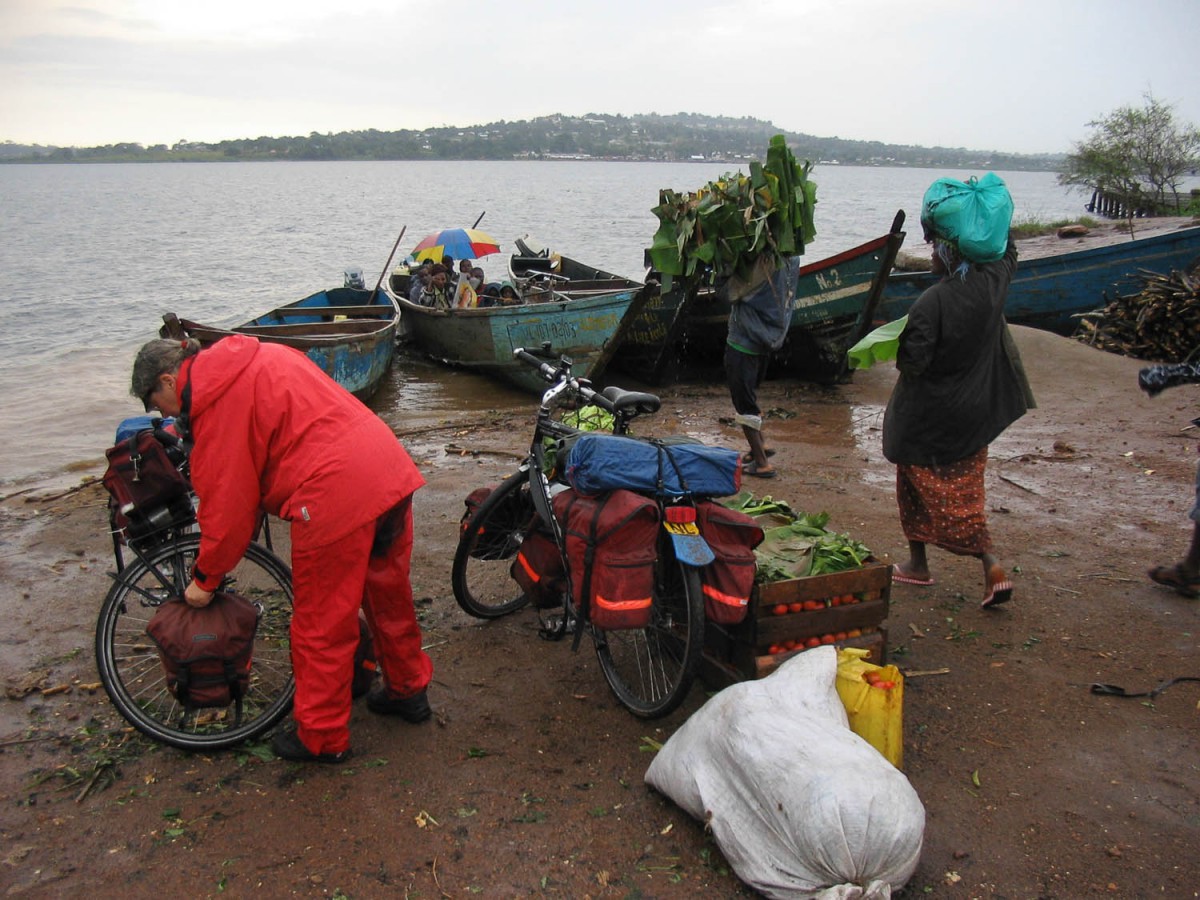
x=1160, y=323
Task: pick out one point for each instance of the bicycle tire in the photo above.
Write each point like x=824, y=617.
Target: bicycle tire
x=480, y=576
x=651, y=669
x=132, y=673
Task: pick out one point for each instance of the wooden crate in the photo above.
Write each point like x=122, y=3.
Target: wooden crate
x=756, y=647
x=719, y=672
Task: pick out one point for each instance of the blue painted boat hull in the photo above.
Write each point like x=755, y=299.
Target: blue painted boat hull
x=1051, y=292
x=349, y=333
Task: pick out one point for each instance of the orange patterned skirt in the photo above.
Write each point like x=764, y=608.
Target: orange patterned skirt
x=944, y=505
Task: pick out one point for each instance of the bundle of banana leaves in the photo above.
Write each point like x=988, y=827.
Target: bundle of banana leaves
x=797, y=544
x=728, y=226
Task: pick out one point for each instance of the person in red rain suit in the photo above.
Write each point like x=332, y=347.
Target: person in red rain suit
x=270, y=431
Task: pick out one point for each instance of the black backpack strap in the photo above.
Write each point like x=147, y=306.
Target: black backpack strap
x=183, y=422
x=665, y=451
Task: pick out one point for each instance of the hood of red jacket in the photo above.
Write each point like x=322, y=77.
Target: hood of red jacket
x=221, y=364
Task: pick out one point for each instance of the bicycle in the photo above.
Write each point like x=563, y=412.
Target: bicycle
x=650, y=670
x=164, y=543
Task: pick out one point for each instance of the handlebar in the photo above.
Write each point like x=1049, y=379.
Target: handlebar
x=561, y=380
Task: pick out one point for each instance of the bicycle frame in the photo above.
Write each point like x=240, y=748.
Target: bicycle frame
x=648, y=667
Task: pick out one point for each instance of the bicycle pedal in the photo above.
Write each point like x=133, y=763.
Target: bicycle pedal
x=555, y=628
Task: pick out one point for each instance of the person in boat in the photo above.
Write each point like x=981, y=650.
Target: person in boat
x=419, y=280
x=436, y=294
x=489, y=294
x=508, y=296
x=268, y=430
x=961, y=384
x=464, y=272
x=759, y=317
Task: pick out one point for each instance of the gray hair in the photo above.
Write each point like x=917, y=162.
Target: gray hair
x=157, y=358
x=952, y=257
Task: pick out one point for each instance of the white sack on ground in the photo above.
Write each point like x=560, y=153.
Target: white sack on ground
x=799, y=804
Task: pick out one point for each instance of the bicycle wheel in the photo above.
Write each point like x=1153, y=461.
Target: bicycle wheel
x=651, y=669
x=133, y=675
x=480, y=577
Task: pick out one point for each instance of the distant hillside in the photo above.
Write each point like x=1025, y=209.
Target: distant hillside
x=684, y=136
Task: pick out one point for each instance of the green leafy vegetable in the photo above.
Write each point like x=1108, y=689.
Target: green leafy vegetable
x=724, y=228
x=803, y=545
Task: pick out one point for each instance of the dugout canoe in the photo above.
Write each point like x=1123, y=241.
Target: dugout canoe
x=576, y=309
x=1051, y=292
x=836, y=300
x=349, y=332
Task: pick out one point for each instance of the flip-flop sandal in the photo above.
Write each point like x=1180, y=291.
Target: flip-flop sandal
x=754, y=471
x=899, y=576
x=749, y=457
x=1173, y=577
x=1000, y=592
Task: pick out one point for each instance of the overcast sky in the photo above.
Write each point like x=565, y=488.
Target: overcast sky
x=1009, y=75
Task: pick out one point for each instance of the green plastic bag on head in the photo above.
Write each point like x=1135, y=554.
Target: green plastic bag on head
x=974, y=214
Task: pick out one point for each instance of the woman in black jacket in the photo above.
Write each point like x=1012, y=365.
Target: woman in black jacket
x=961, y=384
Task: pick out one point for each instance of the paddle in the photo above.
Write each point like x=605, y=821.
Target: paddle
x=867, y=315
x=378, y=283
x=480, y=219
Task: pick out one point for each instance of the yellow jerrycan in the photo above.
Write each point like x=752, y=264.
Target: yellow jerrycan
x=874, y=700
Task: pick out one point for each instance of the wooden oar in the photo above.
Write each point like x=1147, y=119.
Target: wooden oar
x=395, y=247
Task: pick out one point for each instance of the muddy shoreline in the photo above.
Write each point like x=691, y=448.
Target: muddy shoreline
x=529, y=779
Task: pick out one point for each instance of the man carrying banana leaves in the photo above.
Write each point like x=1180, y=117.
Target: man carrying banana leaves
x=759, y=316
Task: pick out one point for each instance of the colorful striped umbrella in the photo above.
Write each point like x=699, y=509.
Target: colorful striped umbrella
x=461, y=243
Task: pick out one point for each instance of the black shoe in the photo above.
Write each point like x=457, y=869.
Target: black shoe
x=411, y=709
x=287, y=745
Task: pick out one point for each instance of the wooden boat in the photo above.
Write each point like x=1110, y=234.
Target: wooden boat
x=835, y=305
x=576, y=309
x=1050, y=292
x=349, y=332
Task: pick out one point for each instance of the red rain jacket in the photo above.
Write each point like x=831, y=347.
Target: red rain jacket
x=274, y=432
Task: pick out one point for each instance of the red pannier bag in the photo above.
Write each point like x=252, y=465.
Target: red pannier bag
x=516, y=515
x=728, y=581
x=539, y=569
x=611, y=545
x=146, y=488
x=206, y=652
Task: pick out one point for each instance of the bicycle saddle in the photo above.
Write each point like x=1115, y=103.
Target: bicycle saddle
x=623, y=400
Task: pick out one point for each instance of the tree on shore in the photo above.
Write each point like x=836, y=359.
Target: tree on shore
x=1136, y=156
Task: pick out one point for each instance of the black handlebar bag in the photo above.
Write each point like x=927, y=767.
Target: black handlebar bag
x=206, y=652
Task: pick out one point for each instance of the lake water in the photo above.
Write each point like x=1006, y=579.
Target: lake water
x=92, y=256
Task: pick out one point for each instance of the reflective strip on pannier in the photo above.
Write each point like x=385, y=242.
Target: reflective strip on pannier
x=728, y=581
x=538, y=569
x=611, y=545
